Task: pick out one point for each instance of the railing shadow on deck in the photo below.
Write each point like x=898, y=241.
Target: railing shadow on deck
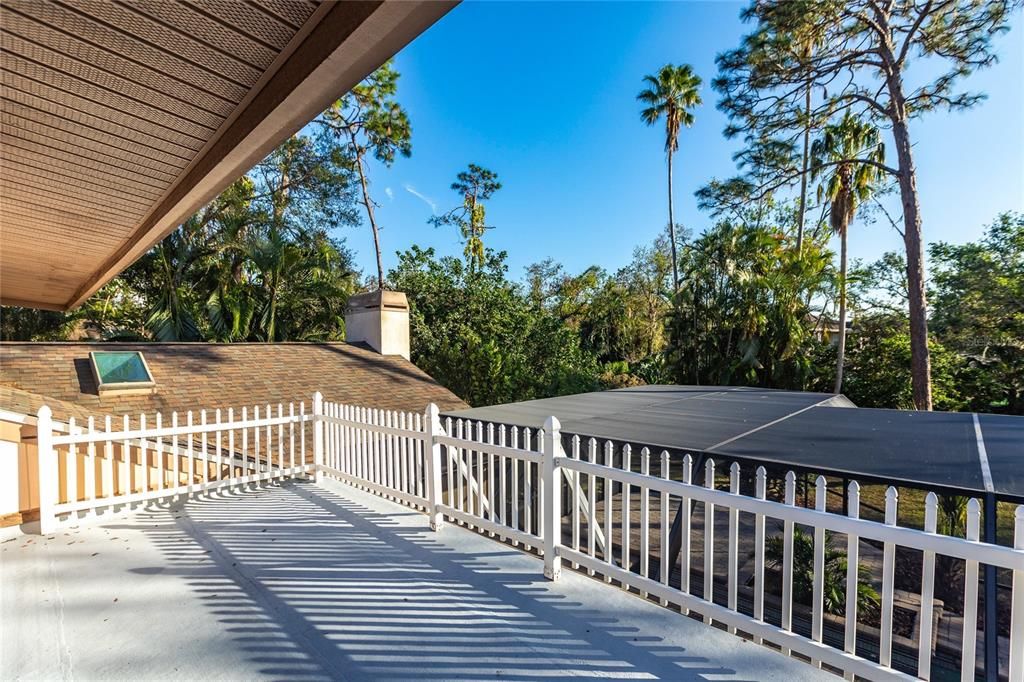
x=313, y=585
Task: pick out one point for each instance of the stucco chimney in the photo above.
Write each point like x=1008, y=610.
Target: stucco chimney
x=380, y=319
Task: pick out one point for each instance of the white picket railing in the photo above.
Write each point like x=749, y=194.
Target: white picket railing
x=91, y=468
x=512, y=484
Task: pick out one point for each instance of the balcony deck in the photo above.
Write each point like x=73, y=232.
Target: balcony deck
x=303, y=581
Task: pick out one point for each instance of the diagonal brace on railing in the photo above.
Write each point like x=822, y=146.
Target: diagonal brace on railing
x=584, y=505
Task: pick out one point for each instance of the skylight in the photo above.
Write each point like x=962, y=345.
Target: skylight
x=121, y=372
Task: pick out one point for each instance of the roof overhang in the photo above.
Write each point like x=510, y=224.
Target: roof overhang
x=120, y=121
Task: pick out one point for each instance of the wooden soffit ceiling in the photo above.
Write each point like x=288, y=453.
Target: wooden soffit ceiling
x=121, y=119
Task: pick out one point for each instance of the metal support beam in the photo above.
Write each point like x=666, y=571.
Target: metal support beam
x=991, y=596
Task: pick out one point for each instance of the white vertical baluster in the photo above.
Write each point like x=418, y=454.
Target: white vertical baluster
x=480, y=494
x=143, y=455
x=592, y=522
x=347, y=461
x=968, y=659
x=491, y=497
x=924, y=650
x=108, y=460
x=280, y=439
x=645, y=514
x=709, y=538
x=90, y=466
x=371, y=444
x=1016, y=668
x=126, y=457
x=760, y=489
x=575, y=454
x=158, y=453
x=256, y=441
x=245, y=446
x=684, y=547
x=852, y=574
x=888, y=568
x=665, y=517
x=334, y=437
x=734, y=531
x=609, y=459
x=818, y=587
x=422, y=448
x=468, y=456
x=627, y=532
x=231, y=443
x=459, y=431
x=450, y=455
x=302, y=432
x=387, y=470
x=787, y=559
x=291, y=438
x=394, y=476
x=71, y=468
x=174, y=455
x=412, y=447
x=218, y=445
x=408, y=452
x=503, y=477
x=403, y=457
x=527, y=488
x=270, y=446
x=368, y=465
x=189, y=455
x=204, y=441
x=515, y=483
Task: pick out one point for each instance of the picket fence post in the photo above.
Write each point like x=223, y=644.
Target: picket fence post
x=318, y=436
x=432, y=451
x=47, y=470
x=551, y=498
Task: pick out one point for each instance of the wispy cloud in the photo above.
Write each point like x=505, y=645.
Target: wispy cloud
x=425, y=199
x=389, y=193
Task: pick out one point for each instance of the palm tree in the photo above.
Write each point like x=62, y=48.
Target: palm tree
x=848, y=185
x=672, y=93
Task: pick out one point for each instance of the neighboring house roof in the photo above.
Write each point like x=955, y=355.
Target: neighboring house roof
x=193, y=376
x=26, y=403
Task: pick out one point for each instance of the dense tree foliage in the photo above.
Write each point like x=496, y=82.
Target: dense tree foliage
x=478, y=334
x=743, y=311
x=858, y=57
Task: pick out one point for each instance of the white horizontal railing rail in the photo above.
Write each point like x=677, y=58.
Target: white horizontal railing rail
x=574, y=504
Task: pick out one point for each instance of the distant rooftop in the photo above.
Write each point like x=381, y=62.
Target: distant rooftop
x=806, y=431
x=189, y=376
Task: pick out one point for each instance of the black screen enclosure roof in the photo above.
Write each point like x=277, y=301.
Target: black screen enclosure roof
x=824, y=433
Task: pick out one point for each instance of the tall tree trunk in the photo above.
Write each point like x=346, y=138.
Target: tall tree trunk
x=920, y=362
x=841, y=350
x=368, y=203
x=672, y=228
x=803, y=175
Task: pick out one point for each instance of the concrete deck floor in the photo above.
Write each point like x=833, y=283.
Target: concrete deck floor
x=310, y=582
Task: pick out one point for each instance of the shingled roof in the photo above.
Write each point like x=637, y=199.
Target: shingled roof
x=191, y=376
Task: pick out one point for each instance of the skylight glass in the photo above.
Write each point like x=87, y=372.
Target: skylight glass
x=121, y=370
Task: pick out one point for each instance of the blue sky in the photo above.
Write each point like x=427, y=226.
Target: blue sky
x=544, y=94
